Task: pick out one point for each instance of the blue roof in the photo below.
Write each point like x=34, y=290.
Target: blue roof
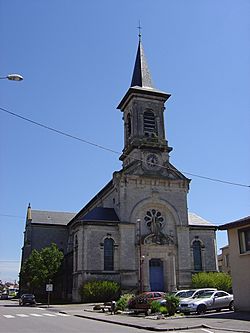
x=101, y=214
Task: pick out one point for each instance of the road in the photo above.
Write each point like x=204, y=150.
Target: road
x=27, y=319
x=16, y=319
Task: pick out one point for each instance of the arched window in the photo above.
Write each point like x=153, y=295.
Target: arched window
x=149, y=124
x=197, y=255
x=108, y=254
x=128, y=124
x=76, y=253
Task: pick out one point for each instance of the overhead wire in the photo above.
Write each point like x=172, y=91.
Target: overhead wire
x=111, y=150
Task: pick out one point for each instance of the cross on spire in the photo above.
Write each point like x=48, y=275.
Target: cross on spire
x=139, y=28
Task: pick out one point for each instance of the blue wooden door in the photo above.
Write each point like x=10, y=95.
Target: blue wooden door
x=156, y=275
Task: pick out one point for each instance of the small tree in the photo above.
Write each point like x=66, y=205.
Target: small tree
x=41, y=266
x=221, y=281
x=52, y=258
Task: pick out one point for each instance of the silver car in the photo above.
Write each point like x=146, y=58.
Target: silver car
x=209, y=300
x=192, y=293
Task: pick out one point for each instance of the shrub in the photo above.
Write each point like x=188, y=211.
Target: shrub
x=221, y=281
x=163, y=309
x=172, y=303
x=155, y=307
x=99, y=291
x=122, y=302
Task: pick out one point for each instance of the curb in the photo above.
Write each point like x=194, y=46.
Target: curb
x=149, y=328
x=156, y=329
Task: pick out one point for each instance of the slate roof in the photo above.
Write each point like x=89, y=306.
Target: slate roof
x=48, y=217
x=101, y=214
x=195, y=220
x=97, y=214
x=141, y=75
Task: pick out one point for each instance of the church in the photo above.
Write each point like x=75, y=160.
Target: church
x=137, y=230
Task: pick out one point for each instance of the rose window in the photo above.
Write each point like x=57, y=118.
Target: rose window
x=154, y=220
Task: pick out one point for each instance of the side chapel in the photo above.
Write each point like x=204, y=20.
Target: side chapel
x=137, y=230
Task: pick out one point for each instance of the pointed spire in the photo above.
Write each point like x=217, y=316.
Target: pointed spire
x=29, y=217
x=141, y=75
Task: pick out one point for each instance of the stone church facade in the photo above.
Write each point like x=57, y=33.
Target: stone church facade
x=137, y=230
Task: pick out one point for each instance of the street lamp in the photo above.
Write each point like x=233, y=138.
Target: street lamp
x=12, y=77
x=140, y=258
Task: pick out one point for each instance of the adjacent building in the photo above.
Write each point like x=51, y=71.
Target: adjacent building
x=239, y=254
x=224, y=260
x=137, y=230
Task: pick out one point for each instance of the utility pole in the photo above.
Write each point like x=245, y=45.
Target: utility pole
x=140, y=258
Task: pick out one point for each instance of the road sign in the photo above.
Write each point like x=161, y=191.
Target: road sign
x=49, y=287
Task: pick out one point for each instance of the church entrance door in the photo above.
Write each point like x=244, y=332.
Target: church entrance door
x=156, y=275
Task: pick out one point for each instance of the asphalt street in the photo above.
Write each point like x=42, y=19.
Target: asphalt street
x=15, y=319
x=73, y=318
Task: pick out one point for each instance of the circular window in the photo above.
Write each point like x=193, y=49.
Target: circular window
x=154, y=220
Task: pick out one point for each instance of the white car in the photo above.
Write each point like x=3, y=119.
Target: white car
x=208, y=300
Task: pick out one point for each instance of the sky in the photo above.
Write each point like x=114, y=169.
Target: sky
x=77, y=59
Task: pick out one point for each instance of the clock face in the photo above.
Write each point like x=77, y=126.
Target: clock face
x=152, y=161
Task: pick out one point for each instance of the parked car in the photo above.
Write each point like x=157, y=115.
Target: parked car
x=27, y=299
x=4, y=296
x=192, y=293
x=142, y=302
x=208, y=300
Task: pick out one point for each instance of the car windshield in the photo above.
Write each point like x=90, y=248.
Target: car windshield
x=205, y=294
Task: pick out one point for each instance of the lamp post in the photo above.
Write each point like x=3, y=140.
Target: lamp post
x=140, y=258
x=12, y=77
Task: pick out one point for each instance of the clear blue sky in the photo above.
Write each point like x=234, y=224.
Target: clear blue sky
x=77, y=59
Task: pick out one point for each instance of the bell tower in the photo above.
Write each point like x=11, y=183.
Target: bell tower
x=143, y=115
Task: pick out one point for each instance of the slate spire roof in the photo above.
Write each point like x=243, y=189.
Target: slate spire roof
x=141, y=75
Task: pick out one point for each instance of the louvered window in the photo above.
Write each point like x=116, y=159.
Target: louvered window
x=128, y=125
x=149, y=124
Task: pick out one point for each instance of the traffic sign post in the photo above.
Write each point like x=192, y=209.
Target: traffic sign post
x=49, y=289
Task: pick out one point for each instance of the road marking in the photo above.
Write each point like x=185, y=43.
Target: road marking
x=203, y=329
x=22, y=315
x=63, y=314
x=49, y=314
x=35, y=315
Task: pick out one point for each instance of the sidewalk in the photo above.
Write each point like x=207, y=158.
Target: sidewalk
x=230, y=321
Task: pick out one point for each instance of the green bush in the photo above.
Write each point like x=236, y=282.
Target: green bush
x=99, y=291
x=155, y=307
x=221, y=281
x=172, y=303
x=122, y=302
x=163, y=309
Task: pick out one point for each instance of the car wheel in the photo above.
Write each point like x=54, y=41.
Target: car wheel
x=201, y=309
x=231, y=306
